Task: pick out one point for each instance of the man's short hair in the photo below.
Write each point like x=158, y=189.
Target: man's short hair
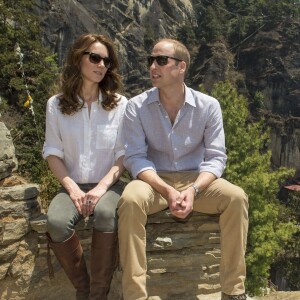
x=180, y=51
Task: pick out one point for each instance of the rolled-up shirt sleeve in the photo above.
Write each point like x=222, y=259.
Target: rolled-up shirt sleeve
x=119, y=147
x=53, y=144
x=214, y=142
x=135, y=142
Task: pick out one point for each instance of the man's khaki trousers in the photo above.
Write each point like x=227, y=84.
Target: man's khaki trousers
x=139, y=199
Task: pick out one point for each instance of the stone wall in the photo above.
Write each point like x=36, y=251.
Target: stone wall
x=183, y=257
x=8, y=160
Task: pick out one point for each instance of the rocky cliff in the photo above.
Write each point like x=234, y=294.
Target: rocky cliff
x=268, y=61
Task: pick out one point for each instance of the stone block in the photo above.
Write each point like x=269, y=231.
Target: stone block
x=8, y=160
x=12, y=229
x=20, y=192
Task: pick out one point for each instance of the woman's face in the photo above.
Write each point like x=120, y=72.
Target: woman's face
x=92, y=72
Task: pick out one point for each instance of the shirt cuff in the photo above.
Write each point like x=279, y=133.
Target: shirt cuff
x=135, y=174
x=217, y=172
x=119, y=154
x=47, y=151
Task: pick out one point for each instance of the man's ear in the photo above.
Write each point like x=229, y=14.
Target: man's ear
x=182, y=66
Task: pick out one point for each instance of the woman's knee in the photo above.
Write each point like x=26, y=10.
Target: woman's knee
x=59, y=229
x=105, y=219
x=61, y=225
x=61, y=217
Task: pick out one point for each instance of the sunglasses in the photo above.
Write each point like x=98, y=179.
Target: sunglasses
x=95, y=58
x=161, y=60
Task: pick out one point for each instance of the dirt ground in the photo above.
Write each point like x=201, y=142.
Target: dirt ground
x=271, y=296
x=280, y=296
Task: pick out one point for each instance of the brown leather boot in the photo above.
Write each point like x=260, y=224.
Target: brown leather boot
x=234, y=297
x=70, y=256
x=103, y=263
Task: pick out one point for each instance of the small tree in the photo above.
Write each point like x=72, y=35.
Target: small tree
x=27, y=68
x=249, y=167
x=289, y=256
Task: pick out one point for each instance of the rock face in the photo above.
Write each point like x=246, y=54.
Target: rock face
x=8, y=160
x=267, y=62
x=271, y=63
x=183, y=257
x=285, y=143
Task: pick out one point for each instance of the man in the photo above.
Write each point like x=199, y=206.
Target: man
x=175, y=148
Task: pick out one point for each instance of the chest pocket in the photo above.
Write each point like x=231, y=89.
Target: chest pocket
x=106, y=137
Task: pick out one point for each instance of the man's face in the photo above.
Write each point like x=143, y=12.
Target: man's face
x=170, y=71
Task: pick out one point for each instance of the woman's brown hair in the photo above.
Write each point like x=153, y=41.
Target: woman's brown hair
x=71, y=81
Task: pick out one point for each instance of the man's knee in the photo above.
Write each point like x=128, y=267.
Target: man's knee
x=239, y=199
x=135, y=194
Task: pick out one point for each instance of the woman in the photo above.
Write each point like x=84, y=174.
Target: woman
x=84, y=151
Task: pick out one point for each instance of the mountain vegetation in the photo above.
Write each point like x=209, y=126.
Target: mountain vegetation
x=249, y=166
x=30, y=73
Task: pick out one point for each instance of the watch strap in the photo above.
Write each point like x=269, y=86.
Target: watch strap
x=197, y=190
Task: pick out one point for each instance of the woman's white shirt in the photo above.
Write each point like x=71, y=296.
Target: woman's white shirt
x=88, y=144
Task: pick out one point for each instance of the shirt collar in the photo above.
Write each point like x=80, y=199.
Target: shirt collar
x=154, y=96
x=189, y=97
x=100, y=98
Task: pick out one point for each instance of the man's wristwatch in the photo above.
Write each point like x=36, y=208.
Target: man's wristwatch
x=197, y=190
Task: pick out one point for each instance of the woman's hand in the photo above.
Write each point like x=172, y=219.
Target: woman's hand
x=78, y=197
x=59, y=169
x=91, y=199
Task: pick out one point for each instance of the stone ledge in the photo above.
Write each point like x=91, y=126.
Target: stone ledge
x=203, y=222
x=183, y=258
